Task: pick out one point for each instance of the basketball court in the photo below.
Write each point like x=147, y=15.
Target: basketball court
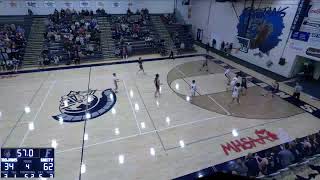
x=134, y=135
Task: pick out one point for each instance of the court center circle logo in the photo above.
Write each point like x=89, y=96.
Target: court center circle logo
x=75, y=105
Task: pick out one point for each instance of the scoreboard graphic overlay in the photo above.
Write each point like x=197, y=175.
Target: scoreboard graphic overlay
x=27, y=162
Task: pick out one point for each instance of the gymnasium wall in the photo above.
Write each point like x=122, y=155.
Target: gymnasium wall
x=43, y=7
x=220, y=20
x=306, y=41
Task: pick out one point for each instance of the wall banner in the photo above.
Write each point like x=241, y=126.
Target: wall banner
x=31, y=4
x=68, y=4
x=310, y=25
x=12, y=4
x=84, y=4
x=314, y=11
x=116, y=4
x=244, y=44
x=100, y=4
x=314, y=45
x=49, y=4
x=301, y=36
x=314, y=39
x=315, y=52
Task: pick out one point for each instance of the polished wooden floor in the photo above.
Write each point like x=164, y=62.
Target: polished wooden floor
x=143, y=137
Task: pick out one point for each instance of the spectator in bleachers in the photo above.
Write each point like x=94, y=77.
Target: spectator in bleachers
x=315, y=144
x=286, y=157
x=307, y=146
x=169, y=18
x=3, y=65
x=30, y=13
x=226, y=47
x=230, y=48
x=293, y=149
x=56, y=59
x=12, y=44
x=124, y=52
x=129, y=49
x=100, y=11
x=129, y=13
x=214, y=42
x=252, y=165
x=182, y=46
x=263, y=164
x=238, y=167
x=222, y=46
x=271, y=167
x=275, y=158
x=71, y=29
x=15, y=63
x=136, y=29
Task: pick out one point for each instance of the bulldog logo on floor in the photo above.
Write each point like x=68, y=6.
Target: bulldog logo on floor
x=75, y=105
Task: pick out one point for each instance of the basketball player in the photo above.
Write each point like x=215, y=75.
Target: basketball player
x=233, y=83
x=244, y=86
x=227, y=74
x=207, y=48
x=171, y=56
x=235, y=93
x=115, y=81
x=205, y=64
x=274, y=88
x=157, y=84
x=140, y=66
x=297, y=91
x=193, y=88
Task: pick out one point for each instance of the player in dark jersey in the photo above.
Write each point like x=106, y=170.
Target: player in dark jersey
x=205, y=64
x=244, y=85
x=157, y=84
x=140, y=66
x=171, y=56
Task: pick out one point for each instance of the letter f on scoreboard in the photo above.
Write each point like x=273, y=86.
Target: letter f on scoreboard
x=48, y=153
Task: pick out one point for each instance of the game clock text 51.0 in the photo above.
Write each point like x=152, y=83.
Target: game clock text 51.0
x=27, y=162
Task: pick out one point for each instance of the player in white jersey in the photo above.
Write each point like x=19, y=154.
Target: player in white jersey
x=227, y=74
x=115, y=82
x=193, y=88
x=235, y=93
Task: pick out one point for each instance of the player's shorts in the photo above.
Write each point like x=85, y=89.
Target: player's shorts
x=244, y=85
x=274, y=91
x=235, y=95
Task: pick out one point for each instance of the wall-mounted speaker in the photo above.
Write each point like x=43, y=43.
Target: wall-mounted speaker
x=282, y=61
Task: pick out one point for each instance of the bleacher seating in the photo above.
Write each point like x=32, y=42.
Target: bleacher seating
x=180, y=34
x=70, y=37
x=14, y=32
x=144, y=34
x=134, y=33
